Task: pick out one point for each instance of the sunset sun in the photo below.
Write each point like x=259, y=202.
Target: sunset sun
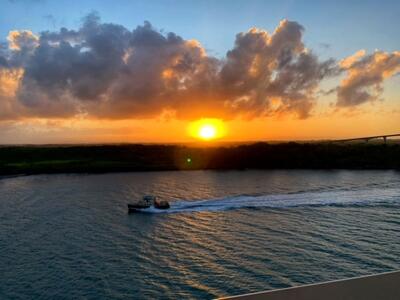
x=207, y=132
x=207, y=129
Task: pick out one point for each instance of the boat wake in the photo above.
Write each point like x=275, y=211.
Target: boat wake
x=364, y=197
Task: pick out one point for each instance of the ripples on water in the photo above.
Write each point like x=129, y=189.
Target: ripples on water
x=69, y=236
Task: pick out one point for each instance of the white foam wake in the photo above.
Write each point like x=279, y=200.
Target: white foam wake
x=374, y=196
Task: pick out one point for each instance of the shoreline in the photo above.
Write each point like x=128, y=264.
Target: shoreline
x=27, y=160
x=10, y=176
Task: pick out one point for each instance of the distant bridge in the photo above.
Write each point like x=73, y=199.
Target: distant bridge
x=367, y=138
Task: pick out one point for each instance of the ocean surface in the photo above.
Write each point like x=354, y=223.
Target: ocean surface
x=227, y=233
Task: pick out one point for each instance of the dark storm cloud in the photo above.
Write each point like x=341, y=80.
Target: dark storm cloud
x=104, y=70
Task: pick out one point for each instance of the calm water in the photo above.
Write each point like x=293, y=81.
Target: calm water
x=69, y=236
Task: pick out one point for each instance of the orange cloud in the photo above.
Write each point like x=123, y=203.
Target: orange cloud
x=9, y=81
x=19, y=39
x=350, y=60
x=365, y=75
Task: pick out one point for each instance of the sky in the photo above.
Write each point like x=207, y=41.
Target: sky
x=146, y=71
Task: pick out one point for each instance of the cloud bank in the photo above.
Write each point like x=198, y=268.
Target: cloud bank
x=104, y=70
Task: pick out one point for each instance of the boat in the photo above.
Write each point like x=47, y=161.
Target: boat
x=147, y=202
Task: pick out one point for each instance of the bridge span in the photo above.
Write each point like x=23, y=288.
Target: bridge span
x=367, y=138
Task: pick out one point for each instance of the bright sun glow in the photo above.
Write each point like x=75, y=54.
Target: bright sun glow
x=207, y=129
x=207, y=132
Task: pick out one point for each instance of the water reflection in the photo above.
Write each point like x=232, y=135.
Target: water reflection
x=230, y=233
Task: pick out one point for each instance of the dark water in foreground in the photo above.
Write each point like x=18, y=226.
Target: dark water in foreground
x=69, y=236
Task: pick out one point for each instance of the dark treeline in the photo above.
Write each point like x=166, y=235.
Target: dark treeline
x=120, y=158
